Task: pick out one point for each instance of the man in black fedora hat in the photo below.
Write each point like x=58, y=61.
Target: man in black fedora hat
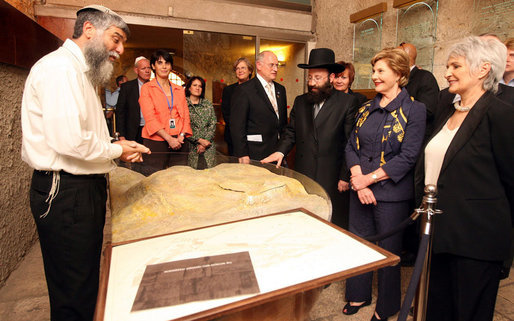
x=320, y=123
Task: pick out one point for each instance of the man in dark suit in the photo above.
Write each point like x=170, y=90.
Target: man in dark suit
x=258, y=111
x=129, y=117
x=319, y=126
x=422, y=84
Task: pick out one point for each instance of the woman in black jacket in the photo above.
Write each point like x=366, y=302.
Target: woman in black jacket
x=470, y=158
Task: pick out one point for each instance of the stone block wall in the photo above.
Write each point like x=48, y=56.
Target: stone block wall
x=17, y=228
x=333, y=28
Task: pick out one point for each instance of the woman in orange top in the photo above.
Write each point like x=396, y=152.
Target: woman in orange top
x=165, y=111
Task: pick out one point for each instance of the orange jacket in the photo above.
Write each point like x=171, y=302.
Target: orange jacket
x=156, y=113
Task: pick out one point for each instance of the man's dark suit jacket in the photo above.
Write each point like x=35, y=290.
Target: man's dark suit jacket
x=423, y=87
x=476, y=182
x=226, y=99
x=251, y=113
x=128, y=111
x=505, y=93
x=320, y=143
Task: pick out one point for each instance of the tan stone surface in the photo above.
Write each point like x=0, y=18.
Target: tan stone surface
x=182, y=198
x=17, y=230
x=334, y=30
x=25, y=297
x=25, y=6
x=505, y=299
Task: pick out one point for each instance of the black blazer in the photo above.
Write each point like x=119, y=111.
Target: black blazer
x=505, y=93
x=424, y=88
x=476, y=182
x=251, y=113
x=320, y=142
x=128, y=111
x=361, y=99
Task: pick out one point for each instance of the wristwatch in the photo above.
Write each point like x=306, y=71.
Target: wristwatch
x=375, y=177
x=182, y=134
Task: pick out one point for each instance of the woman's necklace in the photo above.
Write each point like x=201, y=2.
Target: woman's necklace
x=458, y=107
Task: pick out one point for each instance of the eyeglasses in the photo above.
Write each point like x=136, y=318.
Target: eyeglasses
x=316, y=79
x=271, y=65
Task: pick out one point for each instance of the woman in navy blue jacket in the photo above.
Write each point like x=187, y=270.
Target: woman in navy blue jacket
x=381, y=154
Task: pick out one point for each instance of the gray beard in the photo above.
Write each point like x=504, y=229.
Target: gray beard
x=97, y=58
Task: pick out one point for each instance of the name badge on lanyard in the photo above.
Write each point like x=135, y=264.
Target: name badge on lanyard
x=170, y=106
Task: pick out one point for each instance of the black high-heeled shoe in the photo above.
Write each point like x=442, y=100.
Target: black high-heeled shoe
x=349, y=309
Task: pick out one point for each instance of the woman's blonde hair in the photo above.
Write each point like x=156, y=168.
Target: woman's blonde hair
x=397, y=60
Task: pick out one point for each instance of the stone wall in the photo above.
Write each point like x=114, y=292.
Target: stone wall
x=25, y=6
x=17, y=229
x=333, y=28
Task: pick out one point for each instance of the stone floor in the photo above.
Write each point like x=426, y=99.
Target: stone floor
x=24, y=296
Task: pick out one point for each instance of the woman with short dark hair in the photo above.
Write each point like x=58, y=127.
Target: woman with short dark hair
x=165, y=111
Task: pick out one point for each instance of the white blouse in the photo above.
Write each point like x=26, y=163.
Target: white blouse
x=435, y=151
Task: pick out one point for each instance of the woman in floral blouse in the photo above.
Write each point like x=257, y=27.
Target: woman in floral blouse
x=203, y=123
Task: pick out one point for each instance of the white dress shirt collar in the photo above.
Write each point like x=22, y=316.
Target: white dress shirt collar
x=77, y=53
x=265, y=83
x=510, y=84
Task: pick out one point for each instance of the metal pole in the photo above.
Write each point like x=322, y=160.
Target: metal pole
x=114, y=120
x=428, y=210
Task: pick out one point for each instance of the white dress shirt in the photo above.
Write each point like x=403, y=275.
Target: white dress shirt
x=62, y=119
x=271, y=92
x=510, y=84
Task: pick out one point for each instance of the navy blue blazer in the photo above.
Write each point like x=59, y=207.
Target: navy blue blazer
x=398, y=155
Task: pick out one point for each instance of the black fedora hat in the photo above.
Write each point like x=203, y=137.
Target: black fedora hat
x=323, y=58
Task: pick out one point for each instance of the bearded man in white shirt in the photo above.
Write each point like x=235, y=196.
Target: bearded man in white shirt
x=66, y=141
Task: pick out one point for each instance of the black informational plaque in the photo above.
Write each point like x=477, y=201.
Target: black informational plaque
x=204, y=278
